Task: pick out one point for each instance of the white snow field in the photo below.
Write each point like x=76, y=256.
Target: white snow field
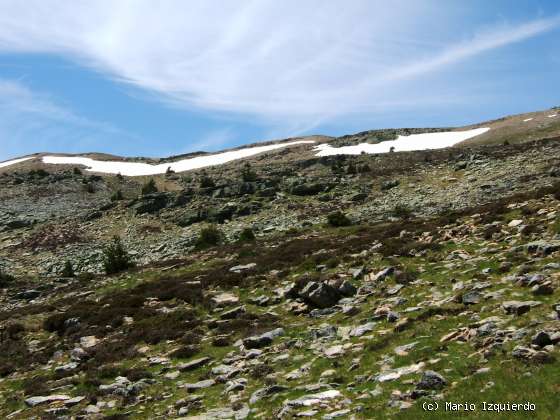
x=552, y=115
x=527, y=119
x=140, y=169
x=404, y=143
x=13, y=162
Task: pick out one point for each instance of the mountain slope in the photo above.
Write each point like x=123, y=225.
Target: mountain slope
x=287, y=284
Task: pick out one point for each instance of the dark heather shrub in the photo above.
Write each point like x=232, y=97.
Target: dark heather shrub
x=115, y=257
x=338, y=219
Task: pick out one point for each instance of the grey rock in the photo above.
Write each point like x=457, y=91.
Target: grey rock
x=395, y=289
x=517, y=307
x=387, y=185
x=320, y=295
x=392, y=316
x=28, y=295
x=383, y=274
x=543, y=247
x=243, y=268
x=151, y=203
x=324, y=331
x=431, y=380
x=67, y=368
x=527, y=354
x=362, y=329
x=224, y=299
x=336, y=414
x=78, y=354
x=541, y=339
x=235, y=385
x=261, y=393
x=193, y=364
x=233, y=313
x=199, y=385
x=347, y=289
x=74, y=401
x=357, y=272
x=313, y=399
x=471, y=298
x=263, y=340
x=260, y=300
x=34, y=401
x=544, y=289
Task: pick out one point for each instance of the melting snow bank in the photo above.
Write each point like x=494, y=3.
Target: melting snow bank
x=139, y=169
x=13, y=162
x=404, y=143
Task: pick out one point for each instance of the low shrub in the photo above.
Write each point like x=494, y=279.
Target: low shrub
x=247, y=173
x=14, y=329
x=246, y=235
x=55, y=323
x=149, y=187
x=402, y=211
x=117, y=196
x=5, y=279
x=209, y=236
x=116, y=258
x=68, y=270
x=162, y=327
x=205, y=181
x=338, y=219
x=110, y=352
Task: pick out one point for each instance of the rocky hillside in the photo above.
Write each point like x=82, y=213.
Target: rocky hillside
x=288, y=285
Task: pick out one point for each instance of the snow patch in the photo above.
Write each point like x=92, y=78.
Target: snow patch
x=527, y=119
x=140, y=169
x=404, y=143
x=552, y=115
x=13, y=162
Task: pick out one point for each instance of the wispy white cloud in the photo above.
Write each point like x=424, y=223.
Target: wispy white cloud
x=490, y=39
x=33, y=121
x=301, y=63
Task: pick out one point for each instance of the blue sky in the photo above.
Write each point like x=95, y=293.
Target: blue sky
x=132, y=78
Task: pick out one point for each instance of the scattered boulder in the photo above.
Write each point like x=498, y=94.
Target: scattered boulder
x=431, y=380
x=243, y=268
x=309, y=189
x=261, y=393
x=34, y=401
x=151, y=203
x=530, y=355
x=199, y=385
x=28, y=295
x=541, y=339
x=320, y=295
x=471, y=298
x=514, y=307
x=383, y=274
x=543, y=289
x=362, y=329
x=233, y=313
x=193, y=364
x=224, y=299
x=313, y=399
x=263, y=340
x=387, y=185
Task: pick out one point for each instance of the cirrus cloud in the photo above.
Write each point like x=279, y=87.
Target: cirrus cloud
x=303, y=61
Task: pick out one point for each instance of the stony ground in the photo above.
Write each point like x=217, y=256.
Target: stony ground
x=442, y=286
